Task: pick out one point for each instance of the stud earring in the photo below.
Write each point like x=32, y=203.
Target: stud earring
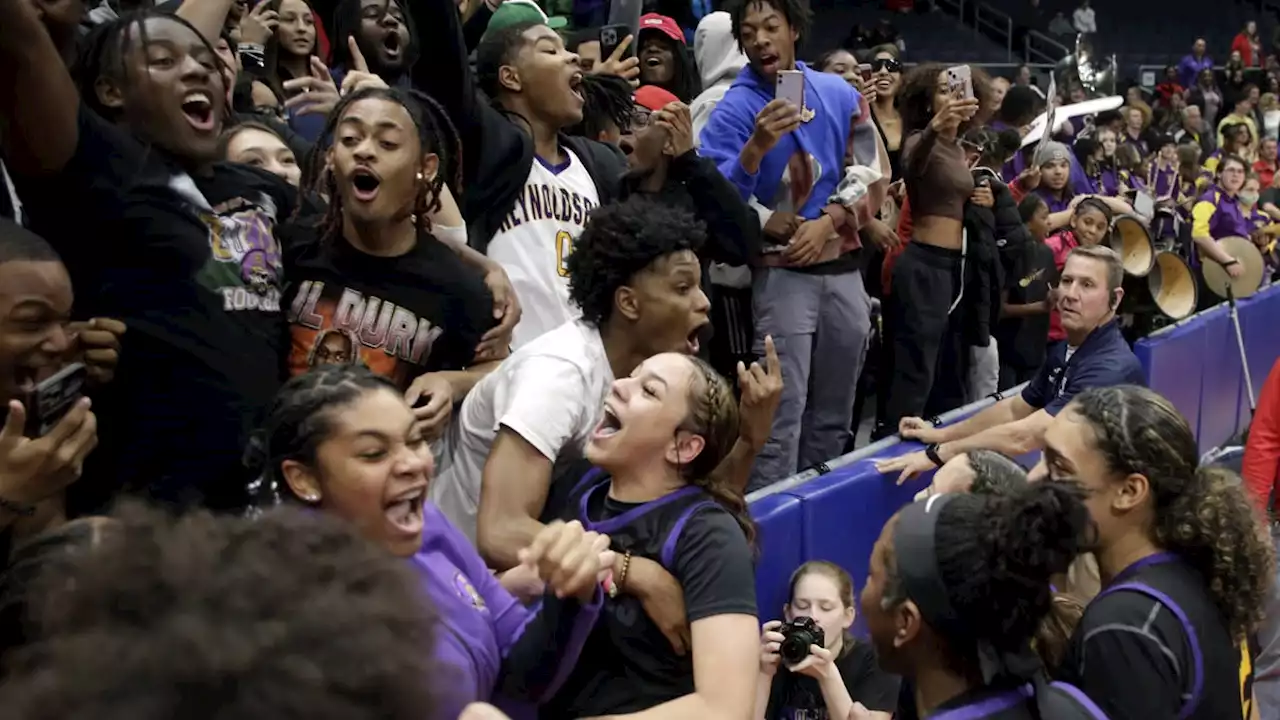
x=420, y=176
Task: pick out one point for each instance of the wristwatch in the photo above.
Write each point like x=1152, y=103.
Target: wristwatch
x=931, y=452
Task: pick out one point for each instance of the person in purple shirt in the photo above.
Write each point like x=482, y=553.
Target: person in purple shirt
x=1192, y=65
x=343, y=441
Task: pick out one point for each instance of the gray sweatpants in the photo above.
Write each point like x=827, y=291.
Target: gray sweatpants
x=821, y=325
x=1266, y=669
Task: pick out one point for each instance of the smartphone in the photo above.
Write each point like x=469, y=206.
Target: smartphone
x=960, y=82
x=627, y=14
x=52, y=398
x=611, y=36
x=791, y=87
x=864, y=71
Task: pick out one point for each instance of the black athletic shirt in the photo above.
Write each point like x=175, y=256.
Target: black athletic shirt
x=798, y=697
x=627, y=664
x=192, y=265
x=1132, y=655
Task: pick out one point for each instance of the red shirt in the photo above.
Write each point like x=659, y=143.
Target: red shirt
x=1262, y=451
x=1266, y=172
x=1061, y=244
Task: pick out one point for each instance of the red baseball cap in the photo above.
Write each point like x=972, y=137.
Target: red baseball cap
x=663, y=24
x=654, y=97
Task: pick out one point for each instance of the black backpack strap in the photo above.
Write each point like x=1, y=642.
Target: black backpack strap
x=1197, y=670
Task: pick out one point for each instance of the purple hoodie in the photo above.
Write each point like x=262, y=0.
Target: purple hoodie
x=489, y=642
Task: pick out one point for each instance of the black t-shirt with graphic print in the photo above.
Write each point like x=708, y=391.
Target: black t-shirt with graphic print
x=424, y=311
x=192, y=266
x=1023, y=340
x=799, y=697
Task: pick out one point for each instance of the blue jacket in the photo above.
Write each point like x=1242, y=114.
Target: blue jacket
x=1102, y=360
x=491, y=643
x=823, y=140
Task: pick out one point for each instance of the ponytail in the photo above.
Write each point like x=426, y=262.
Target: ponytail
x=1213, y=526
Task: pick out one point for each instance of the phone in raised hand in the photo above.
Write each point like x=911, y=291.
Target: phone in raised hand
x=791, y=87
x=611, y=36
x=52, y=398
x=960, y=82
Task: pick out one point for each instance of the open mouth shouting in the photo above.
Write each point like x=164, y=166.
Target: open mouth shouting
x=575, y=87
x=608, y=426
x=392, y=45
x=404, y=511
x=365, y=184
x=768, y=63
x=691, y=344
x=197, y=107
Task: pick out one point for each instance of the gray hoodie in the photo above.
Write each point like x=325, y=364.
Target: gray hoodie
x=719, y=61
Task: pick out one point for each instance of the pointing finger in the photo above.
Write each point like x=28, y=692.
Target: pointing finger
x=357, y=58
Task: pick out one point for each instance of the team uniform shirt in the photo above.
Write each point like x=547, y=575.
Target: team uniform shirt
x=1015, y=703
x=628, y=665
x=551, y=392
x=403, y=316
x=1102, y=360
x=193, y=267
x=483, y=633
x=798, y=697
x=534, y=242
x=1133, y=655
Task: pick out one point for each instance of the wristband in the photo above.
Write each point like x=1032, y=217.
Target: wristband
x=931, y=452
x=17, y=508
x=622, y=576
x=1233, y=261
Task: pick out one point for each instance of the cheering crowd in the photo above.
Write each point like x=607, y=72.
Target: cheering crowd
x=389, y=358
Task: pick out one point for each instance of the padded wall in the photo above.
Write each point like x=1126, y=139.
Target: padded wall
x=838, y=516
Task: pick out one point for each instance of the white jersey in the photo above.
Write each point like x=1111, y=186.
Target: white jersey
x=551, y=392
x=535, y=240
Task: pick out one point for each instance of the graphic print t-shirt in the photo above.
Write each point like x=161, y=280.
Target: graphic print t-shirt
x=535, y=241
x=398, y=316
x=191, y=264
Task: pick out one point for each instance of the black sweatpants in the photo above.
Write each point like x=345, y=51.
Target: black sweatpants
x=925, y=351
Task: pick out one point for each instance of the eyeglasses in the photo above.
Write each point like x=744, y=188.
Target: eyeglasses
x=886, y=64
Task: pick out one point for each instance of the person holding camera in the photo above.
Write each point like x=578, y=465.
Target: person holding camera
x=810, y=665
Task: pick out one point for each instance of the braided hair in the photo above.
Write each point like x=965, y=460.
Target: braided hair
x=713, y=414
x=1201, y=513
x=301, y=417
x=606, y=99
x=104, y=55
x=436, y=134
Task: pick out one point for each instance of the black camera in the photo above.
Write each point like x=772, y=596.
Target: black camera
x=797, y=636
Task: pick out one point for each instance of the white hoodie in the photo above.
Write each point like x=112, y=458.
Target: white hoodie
x=719, y=61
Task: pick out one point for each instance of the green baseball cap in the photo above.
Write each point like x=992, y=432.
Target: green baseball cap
x=515, y=12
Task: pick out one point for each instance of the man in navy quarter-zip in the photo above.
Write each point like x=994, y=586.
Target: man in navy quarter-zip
x=1094, y=354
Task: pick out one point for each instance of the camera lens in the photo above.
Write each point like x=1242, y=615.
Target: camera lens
x=795, y=648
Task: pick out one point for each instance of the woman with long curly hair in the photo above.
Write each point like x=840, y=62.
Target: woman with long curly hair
x=1185, y=562
x=927, y=314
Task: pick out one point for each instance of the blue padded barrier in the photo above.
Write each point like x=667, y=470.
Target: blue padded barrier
x=1174, y=362
x=838, y=516
x=781, y=540
x=1223, y=376
x=1260, y=325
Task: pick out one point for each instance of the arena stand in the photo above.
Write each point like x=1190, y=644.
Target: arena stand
x=835, y=512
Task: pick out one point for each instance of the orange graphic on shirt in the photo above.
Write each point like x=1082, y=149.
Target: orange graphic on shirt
x=334, y=325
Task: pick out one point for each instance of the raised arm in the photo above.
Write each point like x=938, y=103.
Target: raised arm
x=442, y=70
x=38, y=100
x=536, y=423
x=207, y=16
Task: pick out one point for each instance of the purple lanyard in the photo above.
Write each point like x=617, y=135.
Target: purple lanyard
x=1157, y=559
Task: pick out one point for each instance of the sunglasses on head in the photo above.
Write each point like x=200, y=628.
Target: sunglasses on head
x=886, y=64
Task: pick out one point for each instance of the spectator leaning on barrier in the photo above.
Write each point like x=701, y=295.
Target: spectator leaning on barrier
x=1095, y=354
